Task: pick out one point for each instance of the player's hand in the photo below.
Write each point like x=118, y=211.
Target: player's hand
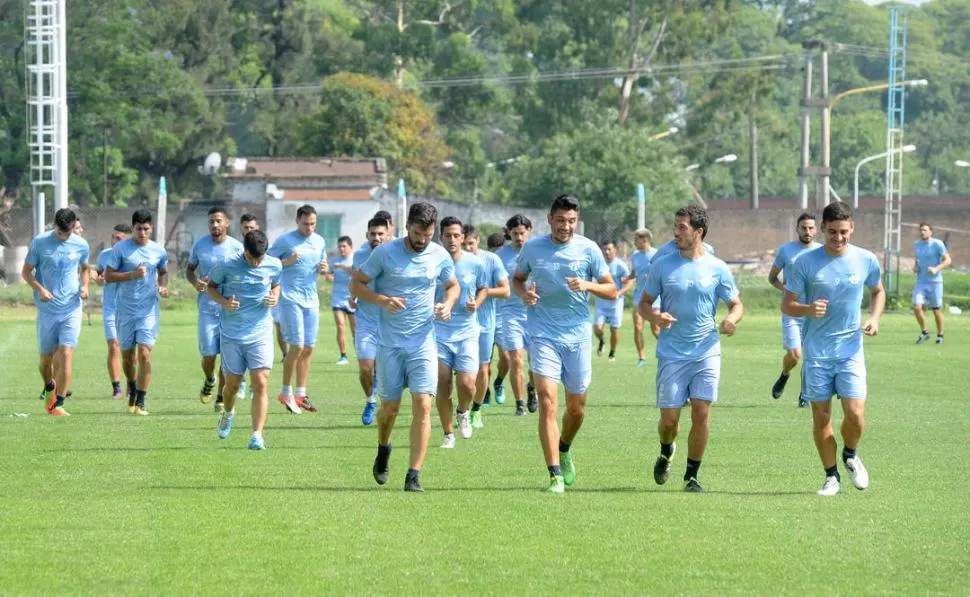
x=664, y=320
x=442, y=312
x=932, y=270
x=163, y=291
x=870, y=327
x=728, y=327
x=323, y=267
x=139, y=272
x=270, y=300
x=530, y=297
x=577, y=284
x=232, y=305
x=291, y=259
x=394, y=304
x=819, y=309
x=84, y=294
x=472, y=305
x=99, y=279
x=45, y=295
x=352, y=304
x=200, y=284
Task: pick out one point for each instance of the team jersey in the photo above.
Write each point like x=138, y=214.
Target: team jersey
x=494, y=274
x=641, y=260
x=341, y=278
x=788, y=253
x=619, y=271
x=137, y=297
x=207, y=254
x=368, y=315
x=511, y=307
x=929, y=253
x=299, y=281
x=110, y=290
x=470, y=274
x=56, y=266
x=236, y=277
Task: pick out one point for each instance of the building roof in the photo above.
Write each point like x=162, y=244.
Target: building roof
x=326, y=194
x=303, y=167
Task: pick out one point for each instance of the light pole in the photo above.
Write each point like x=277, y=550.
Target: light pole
x=671, y=131
x=855, y=186
x=724, y=159
x=961, y=164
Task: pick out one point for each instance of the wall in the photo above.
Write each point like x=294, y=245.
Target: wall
x=281, y=217
x=468, y=213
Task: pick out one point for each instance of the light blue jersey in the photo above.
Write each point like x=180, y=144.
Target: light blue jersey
x=788, y=253
x=399, y=272
x=299, y=282
x=561, y=315
x=619, y=271
x=641, y=260
x=689, y=290
x=206, y=255
x=494, y=274
x=341, y=280
x=512, y=306
x=137, y=297
x=110, y=290
x=671, y=247
x=470, y=273
x=929, y=253
x=253, y=320
x=56, y=266
x=839, y=280
x=368, y=315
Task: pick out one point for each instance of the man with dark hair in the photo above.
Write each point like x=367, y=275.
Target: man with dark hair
x=611, y=311
x=246, y=287
x=495, y=242
x=247, y=223
x=109, y=317
x=341, y=270
x=139, y=266
x=566, y=269
x=368, y=320
x=826, y=287
x=791, y=327
x=497, y=282
x=208, y=252
x=303, y=254
x=931, y=259
x=637, y=280
x=689, y=284
x=512, y=339
x=57, y=269
x=403, y=271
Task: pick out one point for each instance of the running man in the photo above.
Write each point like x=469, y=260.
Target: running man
x=826, y=287
x=246, y=287
x=139, y=266
x=931, y=259
x=495, y=242
x=641, y=260
x=341, y=270
x=247, y=223
x=109, y=319
x=457, y=336
x=304, y=257
x=368, y=321
x=566, y=269
x=611, y=311
x=512, y=339
x=791, y=327
x=57, y=269
x=689, y=284
x=404, y=272
x=207, y=253
x=497, y=281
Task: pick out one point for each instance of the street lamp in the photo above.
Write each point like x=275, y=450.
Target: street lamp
x=855, y=187
x=724, y=159
x=671, y=131
x=961, y=164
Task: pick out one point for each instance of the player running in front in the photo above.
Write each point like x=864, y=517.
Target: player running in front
x=611, y=311
x=640, y=268
x=341, y=270
x=931, y=259
x=109, y=319
x=368, y=321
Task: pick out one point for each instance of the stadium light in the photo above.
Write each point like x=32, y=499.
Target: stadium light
x=878, y=156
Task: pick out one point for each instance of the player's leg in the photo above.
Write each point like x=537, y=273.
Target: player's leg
x=466, y=363
x=339, y=319
x=702, y=378
x=517, y=378
x=421, y=375
x=352, y=318
x=850, y=385
x=485, y=341
x=577, y=372
x=819, y=389
x=672, y=396
x=638, y=322
x=291, y=318
x=598, y=323
x=504, y=364
x=280, y=339
x=443, y=398
x=391, y=378
x=919, y=299
x=232, y=386
x=547, y=366
x=365, y=344
x=207, y=331
x=47, y=328
x=259, y=378
x=936, y=303
x=791, y=342
x=109, y=323
x=311, y=323
x=143, y=378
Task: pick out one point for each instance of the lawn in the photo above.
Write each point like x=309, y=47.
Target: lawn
x=109, y=504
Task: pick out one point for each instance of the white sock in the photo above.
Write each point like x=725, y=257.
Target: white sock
x=287, y=391
x=258, y=434
x=300, y=391
x=372, y=399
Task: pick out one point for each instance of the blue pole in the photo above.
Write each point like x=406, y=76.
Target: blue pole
x=641, y=207
x=402, y=207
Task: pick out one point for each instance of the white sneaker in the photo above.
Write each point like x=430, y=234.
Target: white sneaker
x=858, y=472
x=448, y=441
x=290, y=403
x=241, y=392
x=830, y=487
x=465, y=425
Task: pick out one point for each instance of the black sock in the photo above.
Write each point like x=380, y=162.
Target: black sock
x=833, y=471
x=343, y=355
x=116, y=387
x=219, y=399
x=612, y=353
x=667, y=449
x=384, y=451
x=847, y=453
x=476, y=407
x=692, y=467
x=563, y=447
x=413, y=473
x=520, y=403
x=926, y=332
x=530, y=388
x=59, y=401
x=48, y=387
x=939, y=335
x=555, y=471
x=785, y=375
x=459, y=411
x=140, y=398
x=488, y=395
x=498, y=382
x=132, y=388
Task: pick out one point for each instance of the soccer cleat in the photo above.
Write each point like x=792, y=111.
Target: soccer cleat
x=381, y=468
x=532, y=399
x=241, y=392
x=465, y=425
x=131, y=408
x=448, y=441
x=939, y=339
x=413, y=483
x=256, y=443
x=499, y=393
x=58, y=411
x=219, y=408
x=205, y=394
x=225, y=424
x=367, y=417
x=343, y=361
x=46, y=396
x=568, y=467
x=830, y=487
x=477, y=422
x=641, y=363
x=520, y=410
x=140, y=411
x=290, y=403
x=802, y=403
x=692, y=486
x=612, y=359
x=304, y=403
x=599, y=349
x=924, y=337
x=858, y=472
x=117, y=395
x=52, y=402
x=779, y=387
x=556, y=484
x=661, y=467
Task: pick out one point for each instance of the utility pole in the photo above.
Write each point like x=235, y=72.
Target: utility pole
x=753, y=137
x=826, y=173
x=806, y=134
x=820, y=174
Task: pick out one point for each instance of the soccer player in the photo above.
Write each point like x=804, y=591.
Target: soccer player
x=247, y=223
x=207, y=253
x=689, y=284
x=78, y=228
x=497, y=281
x=341, y=268
x=931, y=259
x=246, y=287
x=57, y=269
x=304, y=257
x=830, y=281
x=671, y=247
x=566, y=269
x=640, y=262
x=513, y=340
x=140, y=268
x=791, y=327
x=495, y=242
x=611, y=311
x=368, y=321
x=109, y=319
x=457, y=336
x=404, y=272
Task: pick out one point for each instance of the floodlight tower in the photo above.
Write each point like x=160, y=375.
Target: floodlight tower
x=894, y=144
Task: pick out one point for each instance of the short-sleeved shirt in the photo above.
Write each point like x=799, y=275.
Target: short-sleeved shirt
x=368, y=315
x=788, y=253
x=494, y=274
x=56, y=263
x=689, y=290
x=253, y=320
x=341, y=278
x=110, y=290
x=671, y=247
x=299, y=282
x=400, y=272
x=929, y=253
x=512, y=307
x=817, y=275
x=470, y=274
x=206, y=255
x=619, y=271
x=561, y=314
x=641, y=260
x=137, y=297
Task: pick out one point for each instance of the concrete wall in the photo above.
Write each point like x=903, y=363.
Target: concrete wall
x=281, y=217
x=477, y=214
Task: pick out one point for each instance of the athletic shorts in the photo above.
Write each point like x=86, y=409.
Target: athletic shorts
x=300, y=324
x=486, y=342
x=239, y=355
x=461, y=356
x=365, y=343
x=791, y=331
x=209, y=333
x=610, y=314
x=928, y=293
x=571, y=364
x=109, y=322
x=678, y=381
x=138, y=330
x=343, y=306
x=512, y=334
x=843, y=378
x=414, y=368
x=58, y=329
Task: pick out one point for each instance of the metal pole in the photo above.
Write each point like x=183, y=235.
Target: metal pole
x=826, y=131
x=641, y=207
x=162, y=212
x=402, y=209
x=806, y=134
x=60, y=188
x=753, y=136
x=39, y=212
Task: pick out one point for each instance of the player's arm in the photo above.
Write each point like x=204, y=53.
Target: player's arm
x=944, y=263
x=628, y=283
x=27, y=272
x=193, y=277
x=162, y=281
x=657, y=318
x=113, y=276
x=358, y=288
x=273, y=298
x=502, y=290
x=877, y=299
x=452, y=294
x=604, y=287
x=227, y=303
x=85, y=278
x=735, y=313
x=773, y=278
x=791, y=306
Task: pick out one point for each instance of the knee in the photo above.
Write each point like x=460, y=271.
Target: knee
x=576, y=408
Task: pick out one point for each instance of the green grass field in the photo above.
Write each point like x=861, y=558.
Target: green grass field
x=109, y=504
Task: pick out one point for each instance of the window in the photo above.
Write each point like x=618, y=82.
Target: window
x=328, y=226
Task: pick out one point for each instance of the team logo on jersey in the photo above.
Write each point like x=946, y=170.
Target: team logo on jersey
x=706, y=281
x=468, y=278
x=576, y=266
x=854, y=279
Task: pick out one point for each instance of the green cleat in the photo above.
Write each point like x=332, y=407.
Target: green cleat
x=556, y=485
x=568, y=467
x=477, y=422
